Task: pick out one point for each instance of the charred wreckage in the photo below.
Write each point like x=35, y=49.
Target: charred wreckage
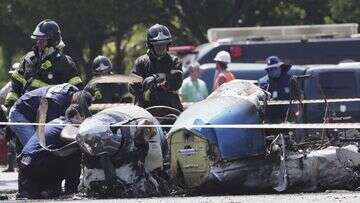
x=128, y=152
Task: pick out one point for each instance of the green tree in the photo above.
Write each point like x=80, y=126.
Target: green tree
x=12, y=38
x=194, y=18
x=88, y=25
x=81, y=23
x=345, y=11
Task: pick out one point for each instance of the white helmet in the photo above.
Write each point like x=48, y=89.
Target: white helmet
x=223, y=56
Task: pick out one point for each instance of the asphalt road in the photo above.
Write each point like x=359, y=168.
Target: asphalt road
x=338, y=196
x=8, y=187
x=326, y=197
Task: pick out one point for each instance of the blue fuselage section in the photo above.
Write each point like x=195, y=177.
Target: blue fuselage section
x=233, y=143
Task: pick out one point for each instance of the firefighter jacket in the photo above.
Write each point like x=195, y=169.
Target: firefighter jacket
x=108, y=92
x=56, y=68
x=155, y=71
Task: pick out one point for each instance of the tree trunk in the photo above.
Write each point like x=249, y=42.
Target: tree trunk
x=95, y=47
x=7, y=54
x=189, y=18
x=119, y=66
x=75, y=50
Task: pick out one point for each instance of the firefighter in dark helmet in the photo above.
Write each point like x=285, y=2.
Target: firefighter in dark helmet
x=44, y=65
x=109, y=92
x=161, y=72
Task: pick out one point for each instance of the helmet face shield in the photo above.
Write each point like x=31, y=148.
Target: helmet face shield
x=160, y=38
x=48, y=29
x=159, y=34
x=102, y=69
x=37, y=34
x=101, y=65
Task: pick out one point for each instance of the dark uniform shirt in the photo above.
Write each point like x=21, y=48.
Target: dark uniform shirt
x=280, y=90
x=108, y=92
x=52, y=137
x=41, y=169
x=58, y=96
x=148, y=65
x=33, y=73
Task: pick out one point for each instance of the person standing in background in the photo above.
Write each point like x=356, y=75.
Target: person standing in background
x=222, y=75
x=193, y=88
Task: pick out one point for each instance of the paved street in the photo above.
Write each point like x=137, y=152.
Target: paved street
x=8, y=186
x=332, y=196
x=8, y=181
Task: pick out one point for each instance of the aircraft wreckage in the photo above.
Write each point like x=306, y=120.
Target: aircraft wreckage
x=118, y=157
x=124, y=149
x=236, y=160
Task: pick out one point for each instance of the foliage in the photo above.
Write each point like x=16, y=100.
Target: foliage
x=117, y=28
x=345, y=11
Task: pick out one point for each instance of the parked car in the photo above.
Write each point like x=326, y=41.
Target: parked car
x=326, y=80
x=246, y=71
x=305, y=44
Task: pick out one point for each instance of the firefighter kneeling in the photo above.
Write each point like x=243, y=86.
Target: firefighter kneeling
x=43, y=172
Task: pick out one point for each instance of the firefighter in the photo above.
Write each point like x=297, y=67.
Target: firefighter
x=101, y=65
x=161, y=72
x=42, y=171
x=44, y=65
x=59, y=98
x=106, y=92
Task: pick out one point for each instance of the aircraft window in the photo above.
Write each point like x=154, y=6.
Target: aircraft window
x=338, y=84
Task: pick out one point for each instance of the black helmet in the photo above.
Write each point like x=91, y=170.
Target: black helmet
x=158, y=34
x=101, y=64
x=48, y=29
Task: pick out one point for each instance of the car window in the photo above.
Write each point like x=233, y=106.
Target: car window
x=338, y=84
x=204, y=49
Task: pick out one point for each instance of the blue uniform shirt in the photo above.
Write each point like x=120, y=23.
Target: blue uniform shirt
x=59, y=98
x=280, y=90
x=52, y=137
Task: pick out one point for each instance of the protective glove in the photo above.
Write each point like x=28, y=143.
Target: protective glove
x=149, y=85
x=174, y=79
x=149, y=82
x=97, y=94
x=10, y=99
x=94, y=91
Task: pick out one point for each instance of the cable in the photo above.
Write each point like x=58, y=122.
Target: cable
x=312, y=101
x=228, y=126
